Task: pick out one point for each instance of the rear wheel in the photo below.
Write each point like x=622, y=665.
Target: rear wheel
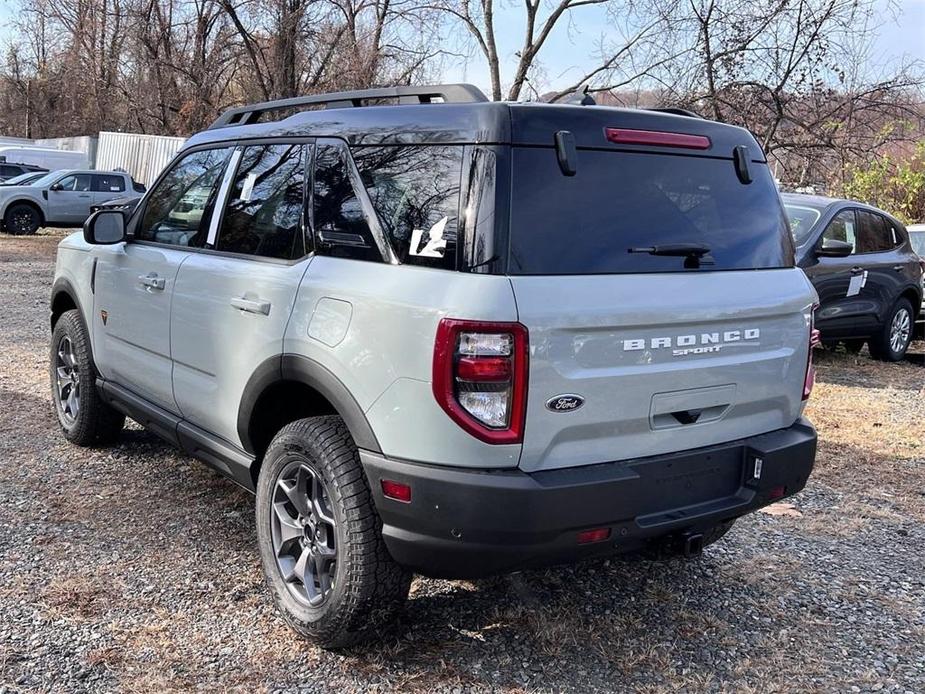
x=22, y=219
x=891, y=343
x=85, y=419
x=320, y=537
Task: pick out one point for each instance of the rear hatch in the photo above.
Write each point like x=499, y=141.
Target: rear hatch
x=635, y=353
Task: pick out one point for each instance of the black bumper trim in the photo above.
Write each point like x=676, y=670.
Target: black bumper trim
x=464, y=523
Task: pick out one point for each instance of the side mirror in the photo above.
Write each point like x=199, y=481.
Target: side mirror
x=105, y=227
x=55, y=186
x=832, y=248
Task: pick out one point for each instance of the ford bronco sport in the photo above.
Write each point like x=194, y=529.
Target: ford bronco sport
x=439, y=335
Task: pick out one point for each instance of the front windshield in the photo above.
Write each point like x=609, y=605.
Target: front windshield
x=802, y=219
x=47, y=179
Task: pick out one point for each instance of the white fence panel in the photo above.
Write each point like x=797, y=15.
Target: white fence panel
x=143, y=156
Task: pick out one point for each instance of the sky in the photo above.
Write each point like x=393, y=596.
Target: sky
x=565, y=57
x=901, y=34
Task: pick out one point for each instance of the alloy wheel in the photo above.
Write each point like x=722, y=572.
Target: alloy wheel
x=21, y=222
x=67, y=380
x=304, y=533
x=900, y=329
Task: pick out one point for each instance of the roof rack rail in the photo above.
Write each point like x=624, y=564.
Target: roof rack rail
x=676, y=111
x=448, y=93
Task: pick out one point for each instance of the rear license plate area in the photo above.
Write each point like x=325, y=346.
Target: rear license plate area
x=688, y=480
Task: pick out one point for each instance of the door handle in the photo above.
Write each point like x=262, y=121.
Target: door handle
x=84, y=196
x=857, y=270
x=899, y=268
x=152, y=281
x=251, y=306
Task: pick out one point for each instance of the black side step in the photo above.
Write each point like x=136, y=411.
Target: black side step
x=218, y=454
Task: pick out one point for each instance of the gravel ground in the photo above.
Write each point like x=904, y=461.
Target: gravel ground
x=135, y=568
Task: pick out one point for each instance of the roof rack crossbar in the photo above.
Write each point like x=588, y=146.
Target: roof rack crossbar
x=447, y=93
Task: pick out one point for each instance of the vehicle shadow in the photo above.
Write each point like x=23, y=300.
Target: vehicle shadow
x=588, y=626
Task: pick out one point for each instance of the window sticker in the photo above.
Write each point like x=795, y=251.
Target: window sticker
x=857, y=284
x=436, y=244
x=248, y=188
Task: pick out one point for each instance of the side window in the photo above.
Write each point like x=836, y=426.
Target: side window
x=7, y=170
x=874, y=234
x=339, y=222
x=108, y=184
x=415, y=192
x=842, y=228
x=180, y=206
x=77, y=182
x=265, y=205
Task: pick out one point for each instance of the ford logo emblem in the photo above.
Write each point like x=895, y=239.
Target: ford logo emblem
x=564, y=403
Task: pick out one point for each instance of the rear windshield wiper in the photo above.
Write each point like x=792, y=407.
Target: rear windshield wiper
x=694, y=254
x=678, y=250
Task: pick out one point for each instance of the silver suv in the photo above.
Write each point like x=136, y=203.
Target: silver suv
x=439, y=335
x=59, y=198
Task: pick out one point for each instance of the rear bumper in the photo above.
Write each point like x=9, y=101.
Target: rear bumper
x=468, y=524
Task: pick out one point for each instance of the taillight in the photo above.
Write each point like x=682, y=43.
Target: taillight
x=658, y=138
x=480, y=377
x=814, y=340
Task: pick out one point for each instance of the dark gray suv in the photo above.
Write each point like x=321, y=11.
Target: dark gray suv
x=867, y=274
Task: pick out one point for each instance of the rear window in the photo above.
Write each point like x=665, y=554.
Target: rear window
x=617, y=201
x=918, y=242
x=802, y=220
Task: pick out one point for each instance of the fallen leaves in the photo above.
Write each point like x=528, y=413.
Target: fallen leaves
x=782, y=508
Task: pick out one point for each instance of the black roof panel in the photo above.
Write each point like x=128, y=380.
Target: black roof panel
x=531, y=124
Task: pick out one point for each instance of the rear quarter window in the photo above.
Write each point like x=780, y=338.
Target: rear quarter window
x=415, y=192
x=586, y=223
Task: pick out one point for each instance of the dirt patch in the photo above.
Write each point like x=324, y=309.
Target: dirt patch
x=134, y=568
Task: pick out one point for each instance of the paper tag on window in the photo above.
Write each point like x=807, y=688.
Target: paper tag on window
x=248, y=188
x=436, y=244
x=857, y=284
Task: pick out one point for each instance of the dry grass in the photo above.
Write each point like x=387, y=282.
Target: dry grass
x=871, y=422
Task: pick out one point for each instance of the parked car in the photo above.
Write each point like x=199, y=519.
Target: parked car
x=47, y=158
x=60, y=198
x=451, y=337
x=917, y=238
x=24, y=179
x=11, y=171
x=862, y=263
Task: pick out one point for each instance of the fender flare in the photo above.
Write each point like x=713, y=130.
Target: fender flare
x=63, y=285
x=295, y=367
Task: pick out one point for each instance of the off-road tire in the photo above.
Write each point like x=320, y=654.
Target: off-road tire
x=96, y=423
x=22, y=219
x=880, y=345
x=369, y=589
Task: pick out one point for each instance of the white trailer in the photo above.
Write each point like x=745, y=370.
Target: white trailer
x=51, y=159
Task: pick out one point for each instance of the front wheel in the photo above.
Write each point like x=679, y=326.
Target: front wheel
x=22, y=220
x=85, y=419
x=891, y=343
x=320, y=537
